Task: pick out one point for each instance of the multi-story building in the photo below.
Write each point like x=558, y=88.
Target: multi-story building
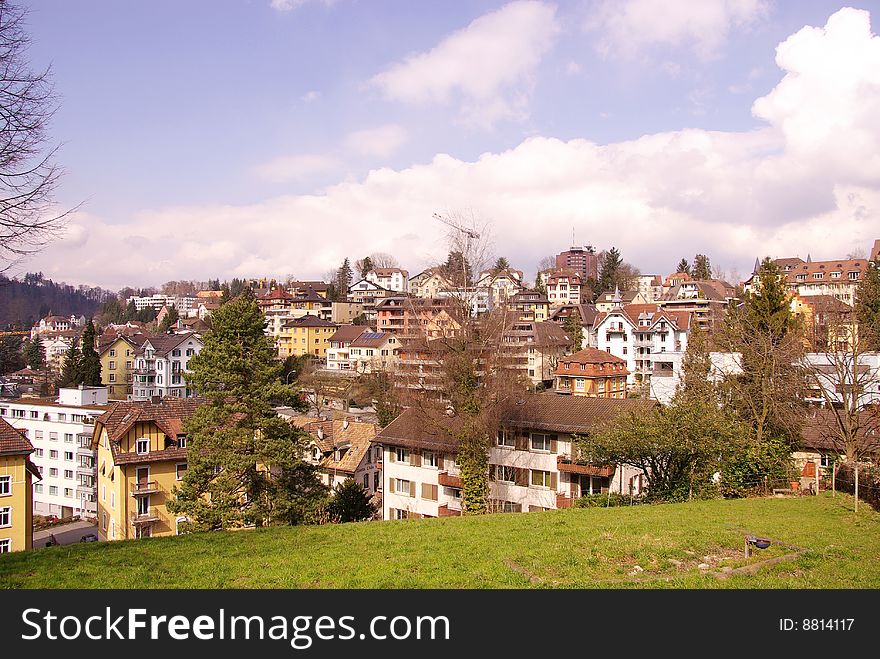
x=374, y=351
x=429, y=283
x=501, y=284
x=53, y=323
x=60, y=430
x=587, y=314
x=580, y=259
x=475, y=300
x=534, y=463
x=154, y=302
x=338, y=356
x=564, y=286
x=55, y=346
x=839, y=278
x=141, y=457
x=275, y=300
x=607, y=301
x=531, y=305
x=650, y=287
x=593, y=373
x=298, y=287
x=17, y=474
x=392, y=279
x=341, y=449
x=707, y=300
x=368, y=294
x=117, y=353
x=532, y=350
x=343, y=313
x=161, y=364
x=307, y=335
x=409, y=317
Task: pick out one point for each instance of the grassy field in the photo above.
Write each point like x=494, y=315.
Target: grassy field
x=661, y=546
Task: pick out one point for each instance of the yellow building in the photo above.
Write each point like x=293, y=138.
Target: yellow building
x=308, y=335
x=16, y=490
x=531, y=305
x=141, y=450
x=117, y=363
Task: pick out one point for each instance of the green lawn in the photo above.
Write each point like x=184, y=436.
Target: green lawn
x=643, y=546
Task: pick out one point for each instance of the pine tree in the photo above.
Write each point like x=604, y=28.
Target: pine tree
x=33, y=354
x=683, y=266
x=702, y=267
x=236, y=438
x=170, y=319
x=364, y=265
x=90, y=361
x=767, y=305
x=131, y=311
x=609, y=276
x=500, y=265
x=71, y=371
x=573, y=327
x=343, y=279
x=350, y=503
x=867, y=308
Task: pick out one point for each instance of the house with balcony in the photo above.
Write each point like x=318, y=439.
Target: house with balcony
x=586, y=312
x=838, y=278
x=534, y=462
x=338, y=355
x=141, y=456
x=60, y=431
x=410, y=317
x=368, y=294
x=591, y=372
x=531, y=350
x=707, y=300
x=117, y=354
x=429, y=283
x=501, y=285
x=392, y=279
x=531, y=306
x=161, y=365
x=564, y=286
x=307, y=335
x=17, y=476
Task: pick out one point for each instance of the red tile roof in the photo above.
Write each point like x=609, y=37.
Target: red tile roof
x=13, y=441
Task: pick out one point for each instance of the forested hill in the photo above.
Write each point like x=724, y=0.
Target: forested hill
x=26, y=299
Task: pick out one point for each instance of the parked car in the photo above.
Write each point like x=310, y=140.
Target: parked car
x=89, y=537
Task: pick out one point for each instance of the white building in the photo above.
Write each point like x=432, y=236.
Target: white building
x=501, y=284
x=392, y=279
x=61, y=433
x=533, y=465
x=161, y=363
x=183, y=303
x=429, y=283
x=832, y=374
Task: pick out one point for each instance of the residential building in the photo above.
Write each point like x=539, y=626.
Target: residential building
x=429, y=283
x=392, y=279
x=368, y=294
x=298, y=287
x=275, y=300
x=476, y=300
x=55, y=346
x=875, y=253
x=531, y=350
x=338, y=356
x=828, y=323
x=838, y=278
x=141, y=458
x=607, y=301
x=117, y=353
x=374, y=351
x=54, y=323
x=17, y=474
x=531, y=306
x=650, y=287
x=582, y=260
x=154, y=302
x=564, y=286
x=161, y=364
x=501, y=285
x=534, y=463
x=707, y=300
x=593, y=373
x=587, y=313
x=343, y=313
x=307, y=335
x=674, y=280
x=60, y=430
x=832, y=375
x=343, y=448
x=410, y=317
x=819, y=448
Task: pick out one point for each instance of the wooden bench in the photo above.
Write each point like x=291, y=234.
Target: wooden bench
x=783, y=490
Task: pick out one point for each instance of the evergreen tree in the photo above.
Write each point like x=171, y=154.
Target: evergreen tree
x=364, y=265
x=343, y=279
x=609, y=277
x=90, y=362
x=457, y=269
x=34, y=355
x=573, y=328
x=867, y=308
x=350, y=503
x=683, y=266
x=768, y=304
x=539, y=285
x=71, y=370
x=169, y=320
x=12, y=358
x=501, y=264
x=131, y=312
x=236, y=438
x=702, y=267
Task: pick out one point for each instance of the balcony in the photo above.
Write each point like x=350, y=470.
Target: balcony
x=145, y=487
x=565, y=464
x=148, y=517
x=445, y=480
x=82, y=470
x=446, y=511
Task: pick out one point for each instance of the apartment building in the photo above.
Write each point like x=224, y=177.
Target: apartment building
x=141, y=456
x=60, y=431
x=501, y=285
x=338, y=356
x=607, y=301
x=838, y=278
x=161, y=364
x=408, y=317
x=368, y=294
x=587, y=313
x=17, y=474
x=54, y=323
x=392, y=279
x=429, y=283
x=534, y=463
x=564, y=286
x=707, y=300
x=307, y=335
x=117, y=353
x=591, y=372
x=581, y=259
x=531, y=350
x=531, y=305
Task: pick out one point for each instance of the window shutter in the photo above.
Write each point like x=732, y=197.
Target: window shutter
x=521, y=442
x=415, y=515
x=429, y=491
x=518, y=507
x=440, y=461
x=412, y=489
x=553, y=480
x=491, y=472
x=415, y=458
x=392, y=455
x=554, y=444
x=391, y=485
x=521, y=476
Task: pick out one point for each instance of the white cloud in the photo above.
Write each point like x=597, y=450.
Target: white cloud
x=485, y=68
x=808, y=181
x=572, y=68
x=288, y=168
x=381, y=141
x=311, y=96
x=627, y=27
x=290, y=5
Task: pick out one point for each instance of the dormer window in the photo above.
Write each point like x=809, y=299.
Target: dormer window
x=142, y=446
x=181, y=441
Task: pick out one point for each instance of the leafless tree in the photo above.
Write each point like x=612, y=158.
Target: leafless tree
x=383, y=260
x=28, y=173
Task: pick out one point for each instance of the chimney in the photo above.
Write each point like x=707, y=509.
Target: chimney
x=320, y=432
x=345, y=423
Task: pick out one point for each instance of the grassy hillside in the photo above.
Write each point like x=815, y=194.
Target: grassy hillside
x=642, y=546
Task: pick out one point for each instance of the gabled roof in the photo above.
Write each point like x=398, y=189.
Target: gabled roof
x=309, y=321
x=169, y=415
x=371, y=286
x=591, y=356
x=276, y=294
x=818, y=431
x=13, y=441
x=586, y=311
x=548, y=333
x=165, y=343
x=369, y=339
x=347, y=333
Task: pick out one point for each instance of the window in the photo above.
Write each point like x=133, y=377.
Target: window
x=62, y=416
x=401, y=454
x=175, y=352
x=818, y=275
x=181, y=441
x=505, y=439
x=68, y=455
x=112, y=366
x=104, y=521
x=835, y=275
x=5, y=486
x=180, y=470
x=402, y=486
x=53, y=490
x=68, y=491
x=853, y=276
x=38, y=452
x=541, y=443
x=35, y=414
x=510, y=507
x=143, y=446
x=18, y=413
x=505, y=474
x=112, y=500
x=429, y=459
x=400, y=514
x=53, y=472
x=68, y=437
x=38, y=488
x=38, y=434
x=53, y=436
x=375, y=480
x=68, y=473
x=540, y=478
x=112, y=353
x=429, y=491
x=103, y=493
x=366, y=481
x=112, y=377
x=5, y=546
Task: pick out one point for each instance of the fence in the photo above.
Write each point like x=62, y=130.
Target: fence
x=869, y=483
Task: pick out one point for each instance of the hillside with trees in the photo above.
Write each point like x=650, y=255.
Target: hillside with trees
x=24, y=300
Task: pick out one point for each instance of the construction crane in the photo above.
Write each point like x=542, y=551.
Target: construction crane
x=471, y=235
x=468, y=232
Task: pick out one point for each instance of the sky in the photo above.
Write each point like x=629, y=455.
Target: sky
x=219, y=138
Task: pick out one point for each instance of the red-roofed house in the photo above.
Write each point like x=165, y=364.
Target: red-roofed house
x=593, y=373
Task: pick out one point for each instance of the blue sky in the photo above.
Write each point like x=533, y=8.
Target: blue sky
x=221, y=139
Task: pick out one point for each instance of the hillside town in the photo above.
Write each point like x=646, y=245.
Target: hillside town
x=96, y=426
